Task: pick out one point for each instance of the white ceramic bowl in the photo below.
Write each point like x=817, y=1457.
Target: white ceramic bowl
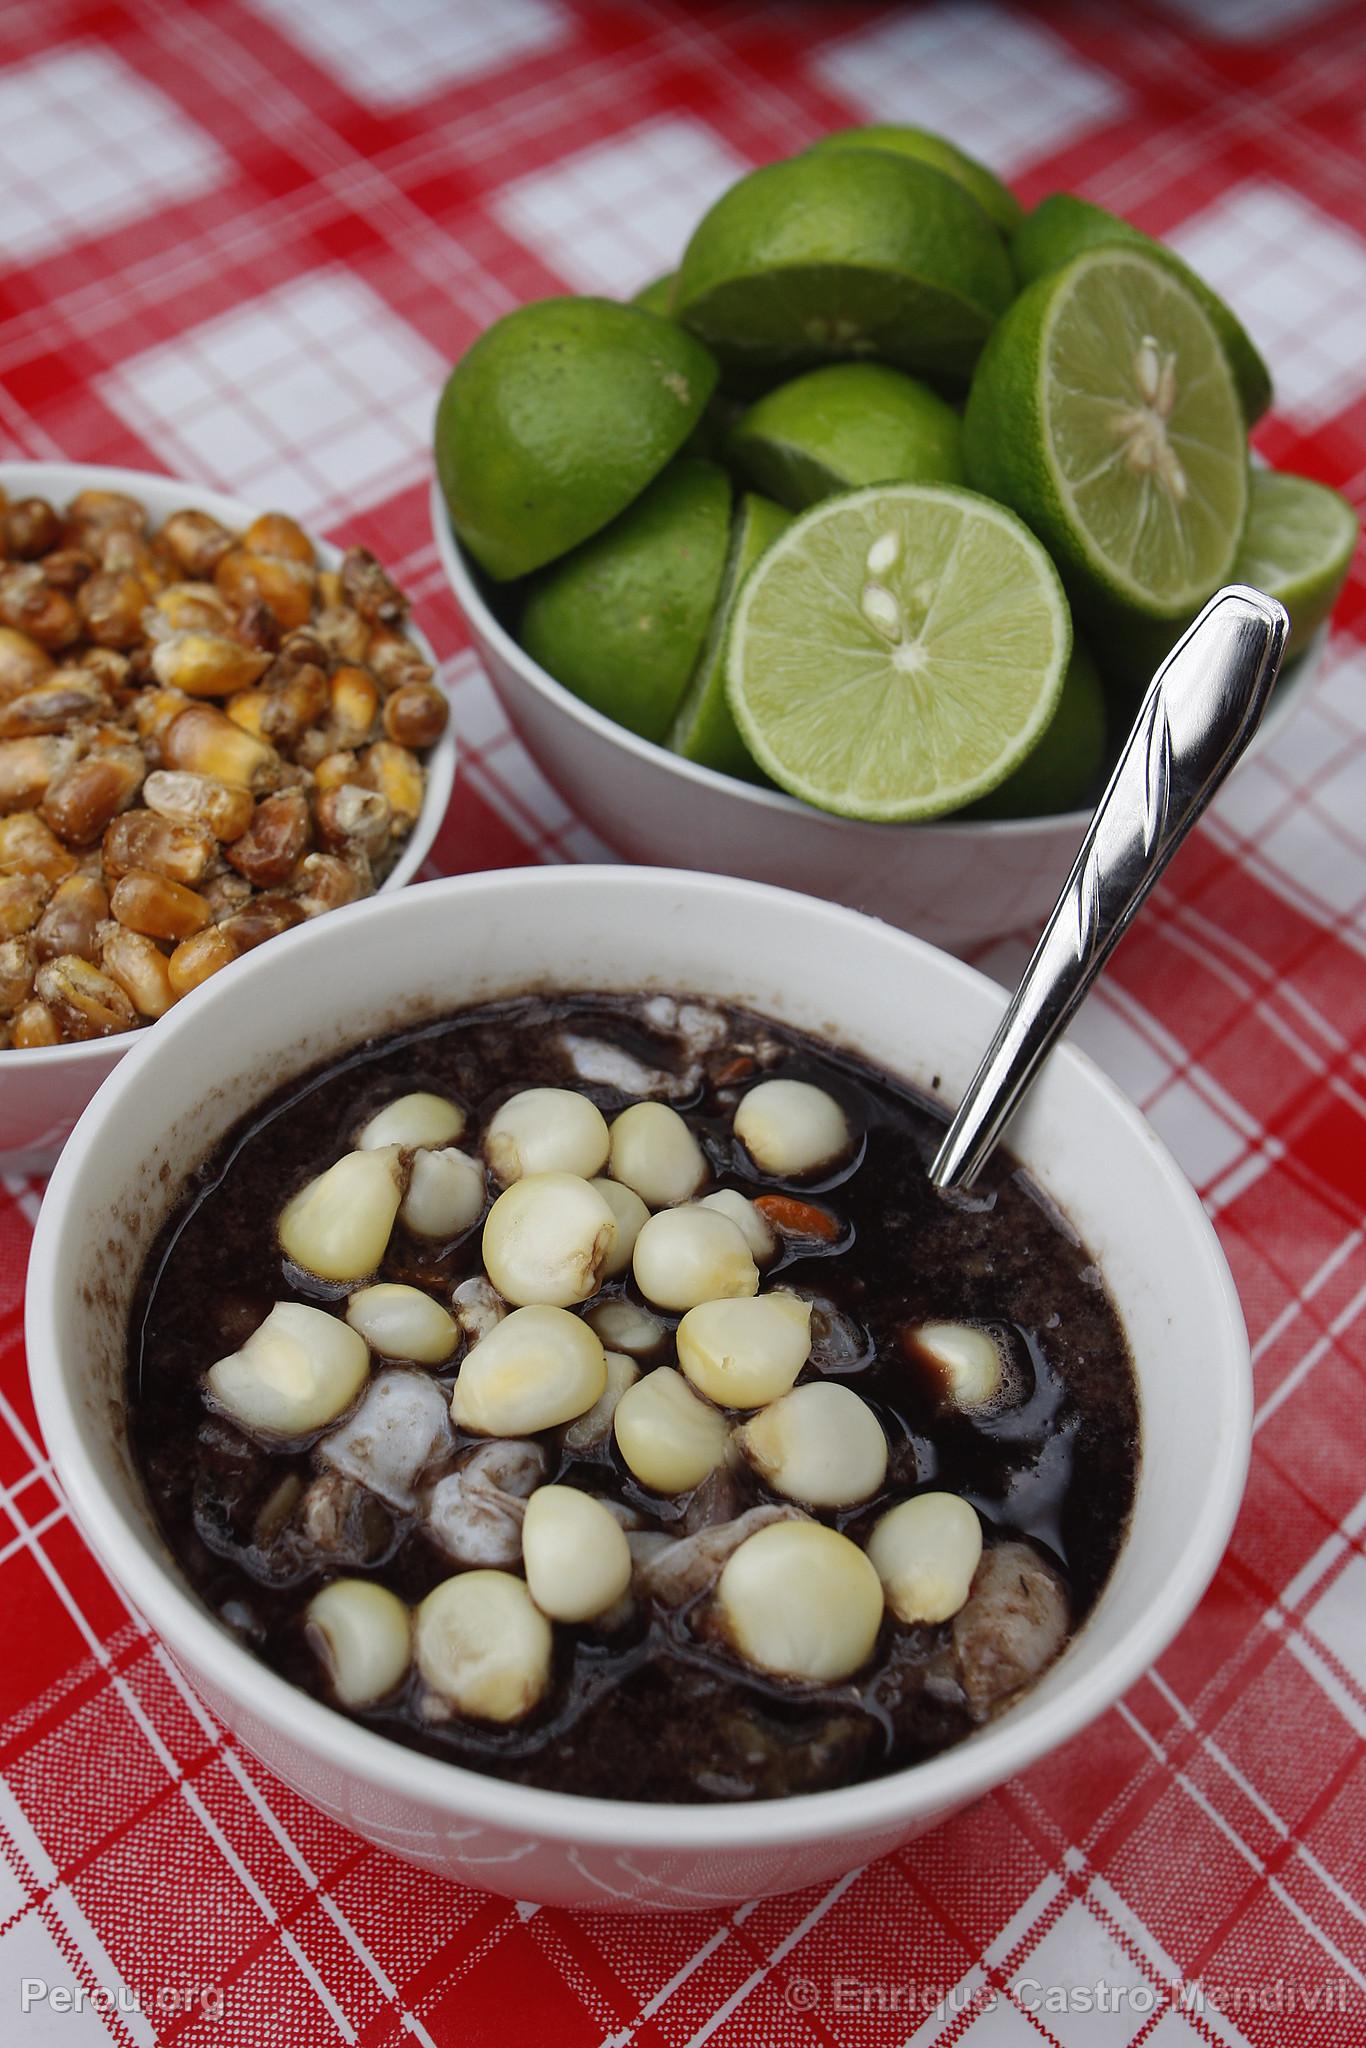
x=44, y=1090
x=900, y=1002
x=957, y=884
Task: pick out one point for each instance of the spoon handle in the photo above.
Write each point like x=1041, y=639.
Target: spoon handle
x=1201, y=709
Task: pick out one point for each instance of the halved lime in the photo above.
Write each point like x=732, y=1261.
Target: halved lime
x=1297, y=546
x=845, y=253
x=845, y=425
x=556, y=418
x=1062, y=226
x=1104, y=412
x=704, y=729
x=898, y=651
x=995, y=199
x=1062, y=771
x=621, y=621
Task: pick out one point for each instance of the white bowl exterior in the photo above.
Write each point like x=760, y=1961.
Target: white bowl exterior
x=900, y=1003
x=43, y=1091
x=956, y=884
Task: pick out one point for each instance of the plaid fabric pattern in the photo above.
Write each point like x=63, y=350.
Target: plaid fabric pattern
x=241, y=242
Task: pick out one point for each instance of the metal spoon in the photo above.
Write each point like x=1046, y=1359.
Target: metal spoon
x=1201, y=709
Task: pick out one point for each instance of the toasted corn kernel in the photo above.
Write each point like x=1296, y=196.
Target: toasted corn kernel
x=546, y=1130
x=393, y=659
x=286, y=587
x=535, y=1368
x=30, y=605
x=23, y=663
x=33, y=1024
x=27, y=846
x=225, y=893
x=416, y=1119
x=162, y=909
x=96, y=512
x=758, y=1232
x=445, y=1193
x=153, y=711
x=416, y=715
x=197, y=541
x=574, y=1553
x=791, y=1127
x=338, y=1225
x=368, y=587
x=293, y=703
x=335, y=768
x=18, y=960
x=86, y=1002
x=362, y=1633
x=248, y=710
x=690, y=1255
x=22, y=901
x=186, y=608
x=67, y=697
x=67, y=568
x=351, y=818
x=746, y=1352
x=28, y=766
x=354, y=698
x=403, y=1322
x=141, y=970
x=821, y=1444
x=587, y=1431
x=396, y=774
x=161, y=846
x=194, y=960
x=801, y=1601
x=966, y=1359
x=270, y=849
x=325, y=881
x=86, y=797
x=275, y=533
x=298, y=1371
x=222, y=808
x=624, y=1327
x=31, y=528
x=669, y=1438
x=629, y=1217
x=72, y=919
x=655, y=1153
x=110, y=605
x=545, y=1239
x=207, y=664
x=204, y=740
x=925, y=1551
x=343, y=633
x=483, y=1646
x=264, y=917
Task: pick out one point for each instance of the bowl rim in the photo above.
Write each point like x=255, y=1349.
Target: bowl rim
x=439, y=763
x=950, y=1779
x=488, y=627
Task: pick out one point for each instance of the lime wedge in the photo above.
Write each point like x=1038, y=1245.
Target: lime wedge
x=1297, y=545
x=845, y=253
x=621, y=621
x=846, y=425
x=1062, y=226
x=704, y=730
x=1062, y=771
x=995, y=199
x=898, y=651
x=1104, y=412
x=556, y=418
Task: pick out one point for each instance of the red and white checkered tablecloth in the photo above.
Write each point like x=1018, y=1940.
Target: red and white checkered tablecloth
x=242, y=242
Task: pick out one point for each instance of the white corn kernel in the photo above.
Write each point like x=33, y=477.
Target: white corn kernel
x=417, y=1119
x=298, y=1371
x=475, y=1513
x=688, y=1255
x=403, y=1322
x=592, y=1428
x=925, y=1551
x=477, y=1308
x=629, y=1214
x=574, y=1554
x=538, y=1367
x=968, y=1358
x=545, y=1239
x=758, y=1232
x=394, y=1437
x=483, y=1646
x=791, y=1127
x=445, y=1193
x=800, y=1600
x=546, y=1130
x=363, y=1634
x=655, y=1152
x=669, y=1438
x=338, y=1226
x=624, y=1327
x=744, y=1353
x=820, y=1444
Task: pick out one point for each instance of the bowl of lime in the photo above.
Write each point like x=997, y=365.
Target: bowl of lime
x=840, y=558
